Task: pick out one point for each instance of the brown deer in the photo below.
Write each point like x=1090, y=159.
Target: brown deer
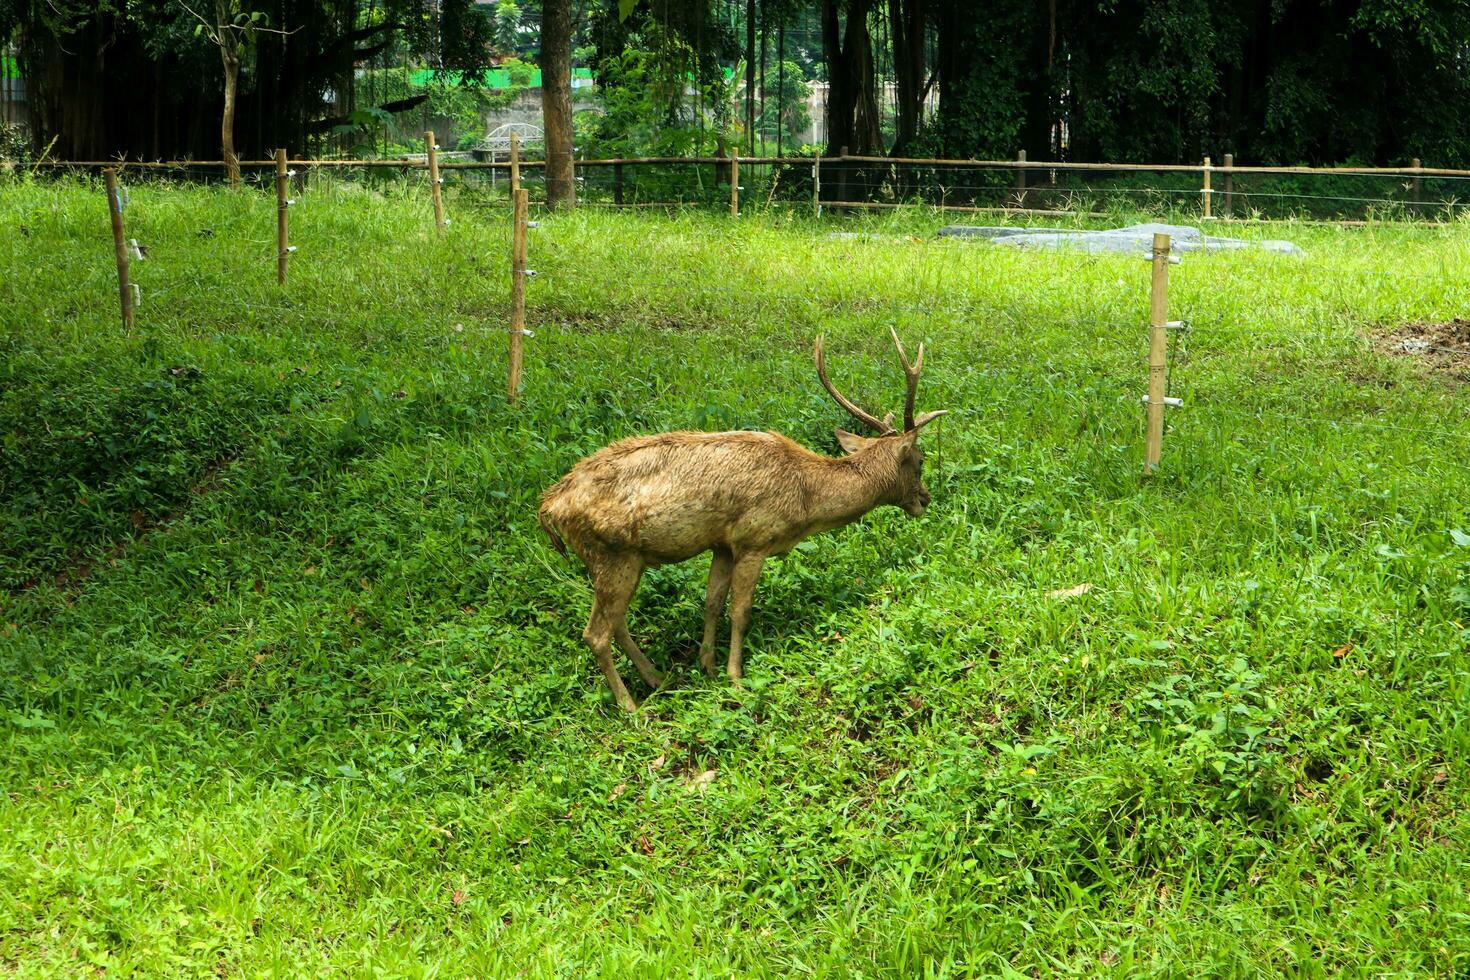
x=653, y=500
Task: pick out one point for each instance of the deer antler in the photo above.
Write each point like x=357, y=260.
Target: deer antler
x=911, y=374
x=881, y=426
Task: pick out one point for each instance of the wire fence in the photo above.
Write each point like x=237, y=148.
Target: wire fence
x=856, y=183
x=655, y=182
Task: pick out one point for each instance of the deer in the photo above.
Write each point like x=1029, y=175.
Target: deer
x=654, y=500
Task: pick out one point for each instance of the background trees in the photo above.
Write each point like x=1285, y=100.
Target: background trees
x=1272, y=81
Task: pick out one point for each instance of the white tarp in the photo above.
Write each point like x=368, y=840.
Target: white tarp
x=1134, y=238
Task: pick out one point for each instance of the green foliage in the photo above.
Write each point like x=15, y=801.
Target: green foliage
x=646, y=102
x=290, y=680
x=785, y=104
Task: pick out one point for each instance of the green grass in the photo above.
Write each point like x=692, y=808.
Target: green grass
x=291, y=682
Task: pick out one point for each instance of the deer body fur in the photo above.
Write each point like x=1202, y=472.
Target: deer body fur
x=653, y=500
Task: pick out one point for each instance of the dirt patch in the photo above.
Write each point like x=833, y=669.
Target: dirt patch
x=1441, y=349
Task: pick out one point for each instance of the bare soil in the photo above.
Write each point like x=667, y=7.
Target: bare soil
x=1441, y=349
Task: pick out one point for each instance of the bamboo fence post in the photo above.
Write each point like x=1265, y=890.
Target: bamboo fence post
x=435, y=185
x=1204, y=193
x=817, y=185
x=515, y=164
x=618, y=183
x=1021, y=180
x=1158, y=366
x=283, y=250
x=517, y=291
x=842, y=178
x=1416, y=164
x=734, y=184
x=1229, y=206
x=124, y=286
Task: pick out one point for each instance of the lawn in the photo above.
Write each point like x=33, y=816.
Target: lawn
x=291, y=682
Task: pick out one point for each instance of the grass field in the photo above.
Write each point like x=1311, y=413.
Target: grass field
x=291, y=682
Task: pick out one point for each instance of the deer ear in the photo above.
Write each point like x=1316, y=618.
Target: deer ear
x=849, y=442
x=907, y=442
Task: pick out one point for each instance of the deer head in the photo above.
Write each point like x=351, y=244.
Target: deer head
x=890, y=447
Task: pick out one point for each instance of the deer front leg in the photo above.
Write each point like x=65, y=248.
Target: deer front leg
x=599, y=636
x=743, y=578
x=714, y=603
x=613, y=586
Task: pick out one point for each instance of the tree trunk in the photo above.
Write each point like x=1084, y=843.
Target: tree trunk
x=556, y=92
x=227, y=120
x=906, y=25
x=852, y=99
x=750, y=75
x=229, y=52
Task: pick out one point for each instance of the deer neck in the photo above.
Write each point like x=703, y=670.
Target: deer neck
x=846, y=489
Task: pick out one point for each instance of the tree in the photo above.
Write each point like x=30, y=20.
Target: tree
x=233, y=31
x=556, y=100
x=852, y=100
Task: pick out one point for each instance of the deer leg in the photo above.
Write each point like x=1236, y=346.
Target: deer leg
x=613, y=587
x=743, y=578
x=646, y=670
x=714, y=602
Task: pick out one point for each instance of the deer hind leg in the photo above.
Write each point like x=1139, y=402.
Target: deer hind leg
x=743, y=578
x=714, y=604
x=613, y=585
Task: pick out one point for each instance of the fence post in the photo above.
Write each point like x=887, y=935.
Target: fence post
x=1416, y=164
x=842, y=175
x=1229, y=207
x=114, y=207
x=1158, y=365
x=283, y=250
x=817, y=185
x=1021, y=180
x=434, y=185
x=734, y=184
x=618, y=183
x=1205, y=189
x=517, y=291
x=515, y=165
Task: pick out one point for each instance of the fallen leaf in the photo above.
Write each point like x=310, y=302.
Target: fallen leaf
x=657, y=764
x=645, y=846
x=458, y=897
x=311, y=569
x=1440, y=777
x=1342, y=651
x=1075, y=590
x=617, y=791
x=701, y=782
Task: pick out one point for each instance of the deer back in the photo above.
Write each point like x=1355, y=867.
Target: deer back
x=673, y=495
